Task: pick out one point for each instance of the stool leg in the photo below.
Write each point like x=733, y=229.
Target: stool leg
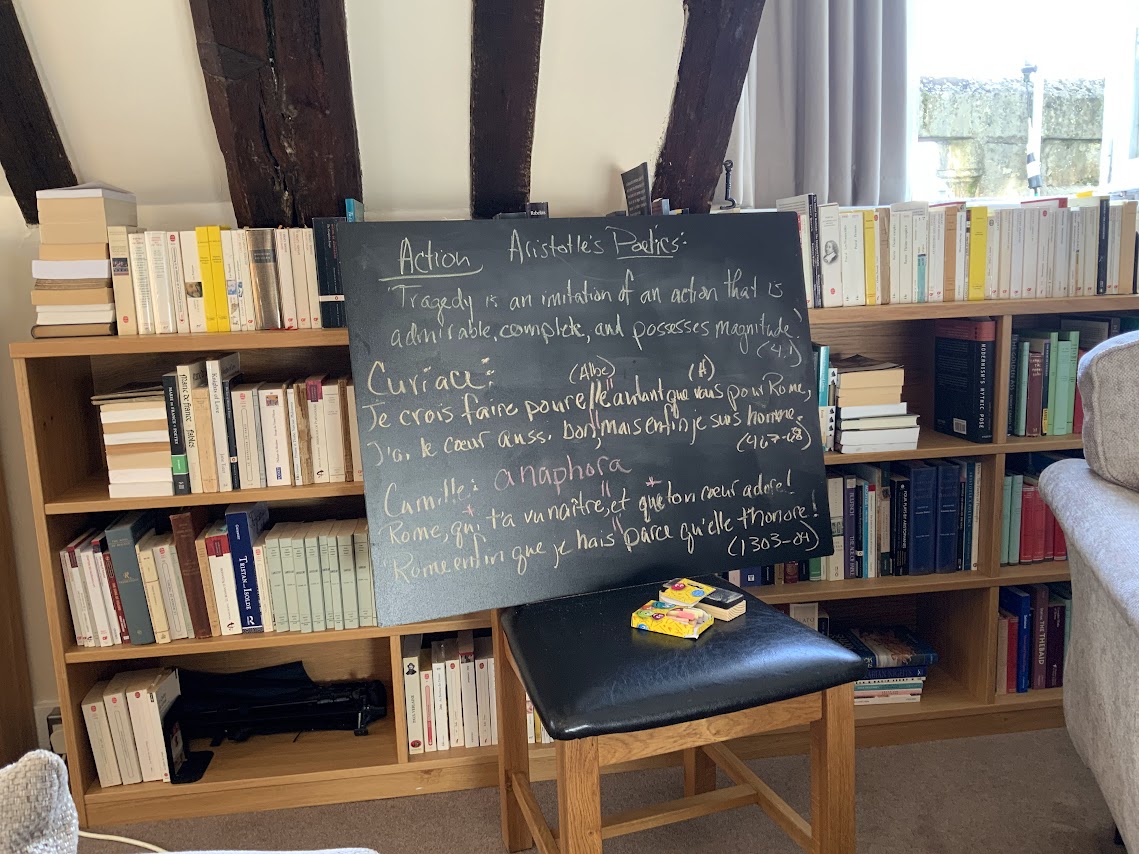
x=699, y=772
x=579, y=797
x=513, y=753
x=832, y=773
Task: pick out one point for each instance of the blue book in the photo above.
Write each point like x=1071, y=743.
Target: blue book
x=823, y=371
x=1019, y=603
x=354, y=210
x=968, y=469
x=912, y=672
x=244, y=523
x=922, y=517
x=948, y=515
x=894, y=646
x=121, y=538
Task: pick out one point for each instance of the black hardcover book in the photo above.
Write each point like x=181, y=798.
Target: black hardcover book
x=328, y=279
x=964, y=351
x=638, y=198
x=1014, y=368
x=900, y=530
x=804, y=570
x=230, y=430
x=767, y=573
x=1101, y=249
x=816, y=252
x=179, y=463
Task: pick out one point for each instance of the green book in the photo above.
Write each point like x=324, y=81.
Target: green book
x=816, y=565
x=1051, y=340
x=1022, y=389
x=1014, y=519
x=1061, y=423
x=1006, y=518
x=1072, y=337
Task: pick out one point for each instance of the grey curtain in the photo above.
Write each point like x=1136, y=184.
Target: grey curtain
x=824, y=105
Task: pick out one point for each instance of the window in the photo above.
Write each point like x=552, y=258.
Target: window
x=1002, y=85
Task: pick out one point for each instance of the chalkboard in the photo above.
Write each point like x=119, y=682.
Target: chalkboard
x=551, y=407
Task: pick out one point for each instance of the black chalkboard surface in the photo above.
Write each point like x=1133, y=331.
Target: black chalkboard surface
x=552, y=407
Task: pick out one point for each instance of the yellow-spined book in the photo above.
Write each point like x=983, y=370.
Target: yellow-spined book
x=870, y=254
x=205, y=270
x=978, y=225
x=217, y=272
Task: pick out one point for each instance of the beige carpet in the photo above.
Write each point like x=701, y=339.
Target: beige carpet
x=1027, y=792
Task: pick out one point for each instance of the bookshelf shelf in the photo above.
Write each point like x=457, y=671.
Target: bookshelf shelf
x=958, y=611
x=90, y=496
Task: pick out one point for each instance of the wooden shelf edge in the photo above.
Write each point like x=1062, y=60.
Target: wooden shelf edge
x=120, y=345
x=932, y=444
x=1041, y=699
x=933, y=310
x=267, y=640
x=859, y=588
x=1035, y=573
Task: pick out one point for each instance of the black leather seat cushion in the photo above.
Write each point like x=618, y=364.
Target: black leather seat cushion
x=589, y=673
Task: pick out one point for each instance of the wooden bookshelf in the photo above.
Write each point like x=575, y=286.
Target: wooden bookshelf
x=957, y=612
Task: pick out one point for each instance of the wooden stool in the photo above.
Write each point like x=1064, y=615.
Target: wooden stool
x=608, y=694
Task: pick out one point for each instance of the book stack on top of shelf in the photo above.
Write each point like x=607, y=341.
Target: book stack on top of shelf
x=72, y=293
x=155, y=579
x=136, y=441
x=1033, y=629
x=897, y=660
x=916, y=252
x=872, y=417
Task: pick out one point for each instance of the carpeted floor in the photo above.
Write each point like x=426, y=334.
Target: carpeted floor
x=1027, y=792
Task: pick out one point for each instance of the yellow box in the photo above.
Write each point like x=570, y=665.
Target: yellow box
x=684, y=591
x=667, y=619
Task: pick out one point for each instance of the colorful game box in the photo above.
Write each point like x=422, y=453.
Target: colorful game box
x=668, y=619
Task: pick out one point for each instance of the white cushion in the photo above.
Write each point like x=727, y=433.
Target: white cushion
x=1109, y=385
x=37, y=815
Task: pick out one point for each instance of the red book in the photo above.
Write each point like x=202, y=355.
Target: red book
x=1061, y=543
x=186, y=526
x=1055, y=656
x=1049, y=533
x=102, y=556
x=790, y=572
x=1078, y=408
x=1034, y=401
x=1013, y=643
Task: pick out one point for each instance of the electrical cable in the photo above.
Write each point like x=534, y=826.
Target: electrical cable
x=123, y=839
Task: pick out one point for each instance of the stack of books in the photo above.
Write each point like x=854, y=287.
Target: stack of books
x=914, y=252
x=124, y=718
x=871, y=415
x=72, y=293
x=897, y=660
x=150, y=578
x=136, y=441
x=1033, y=629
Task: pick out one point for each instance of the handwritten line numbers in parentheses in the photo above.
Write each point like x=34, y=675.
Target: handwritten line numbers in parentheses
x=705, y=369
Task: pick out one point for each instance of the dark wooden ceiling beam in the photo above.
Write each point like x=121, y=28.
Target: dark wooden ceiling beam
x=31, y=151
x=718, y=40
x=280, y=92
x=506, y=42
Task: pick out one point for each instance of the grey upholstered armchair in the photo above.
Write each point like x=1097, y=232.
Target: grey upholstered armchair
x=1097, y=504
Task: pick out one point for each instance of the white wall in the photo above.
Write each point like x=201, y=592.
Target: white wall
x=124, y=84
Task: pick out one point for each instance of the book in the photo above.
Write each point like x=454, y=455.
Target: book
x=186, y=526
x=263, y=273
x=158, y=274
x=276, y=577
x=330, y=577
x=412, y=693
x=964, y=352
x=344, y=532
x=222, y=576
x=170, y=585
x=179, y=463
x=923, y=511
x=122, y=537
x=121, y=281
x=285, y=279
x=149, y=698
x=355, y=472
x=191, y=377
x=315, y=579
x=175, y=273
x=1018, y=602
x=219, y=373
x=140, y=283
x=854, y=257
x=829, y=254
x=275, y=435
x=469, y=681
x=894, y=646
x=122, y=731
x=334, y=432
x=807, y=208
x=365, y=590
x=859, y=372
x=244, y=523
x=301, y=288
x=243, y=270
x=1040, y=594
x=484, y=698
x=427, y=695
x=192, y=280
x=454, y=683
x=246, y=410
x=439, y=695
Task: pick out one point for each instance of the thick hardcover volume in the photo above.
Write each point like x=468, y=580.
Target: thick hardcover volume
x=263, y=269
x=921, y=558
x=948, y=515
x=328, y=271
x=121, y=539
x=1018, y=603
x=119, y=250
x=963, y=378
x=186, y=527
x=179, y=464
x=1055, y=660
x=244, y=523
x=1039, y=652
x=1033, y=408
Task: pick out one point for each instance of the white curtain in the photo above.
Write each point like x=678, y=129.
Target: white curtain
x=824, y=104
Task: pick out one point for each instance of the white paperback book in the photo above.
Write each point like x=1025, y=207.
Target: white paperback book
x=275, y=568
x=439, y=687
x=301, y=289
x=140, y=280
x=852, y=248
x=285, y=279
x=288, y=540
x=233, y=300
x=313, y=574
x=1062, y=233
x=365, y=592
x=1075, y=248
x=454, y=681
x=301, y=584
x=493, y=697
x=483, y=696
x=427, y=697
x=244, y=274
x=344, y=531
x=76, y=593
x=148, y=706
x=330, y=577
x=1030, y=274
x=314, y=391
x=354, y=434
x=122, y=731
x=920, y=270
x=830, y=239
x=218, y=371
x=170, y=583
x=1046, y=254
x=993, y=254
x=294, y=437
x=466, y=643
x=247, y=429
x=192, y=279
x=961, y=257
x=310, y=277
x=334, y=431
x=261, y=571
x=99, y=734
x=99, y=595
x=276, y=443
x=412, y=697
x=221, y=572
x=174, y=272
x=1016, y=265
x=935, y=265
x=1004, y=275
